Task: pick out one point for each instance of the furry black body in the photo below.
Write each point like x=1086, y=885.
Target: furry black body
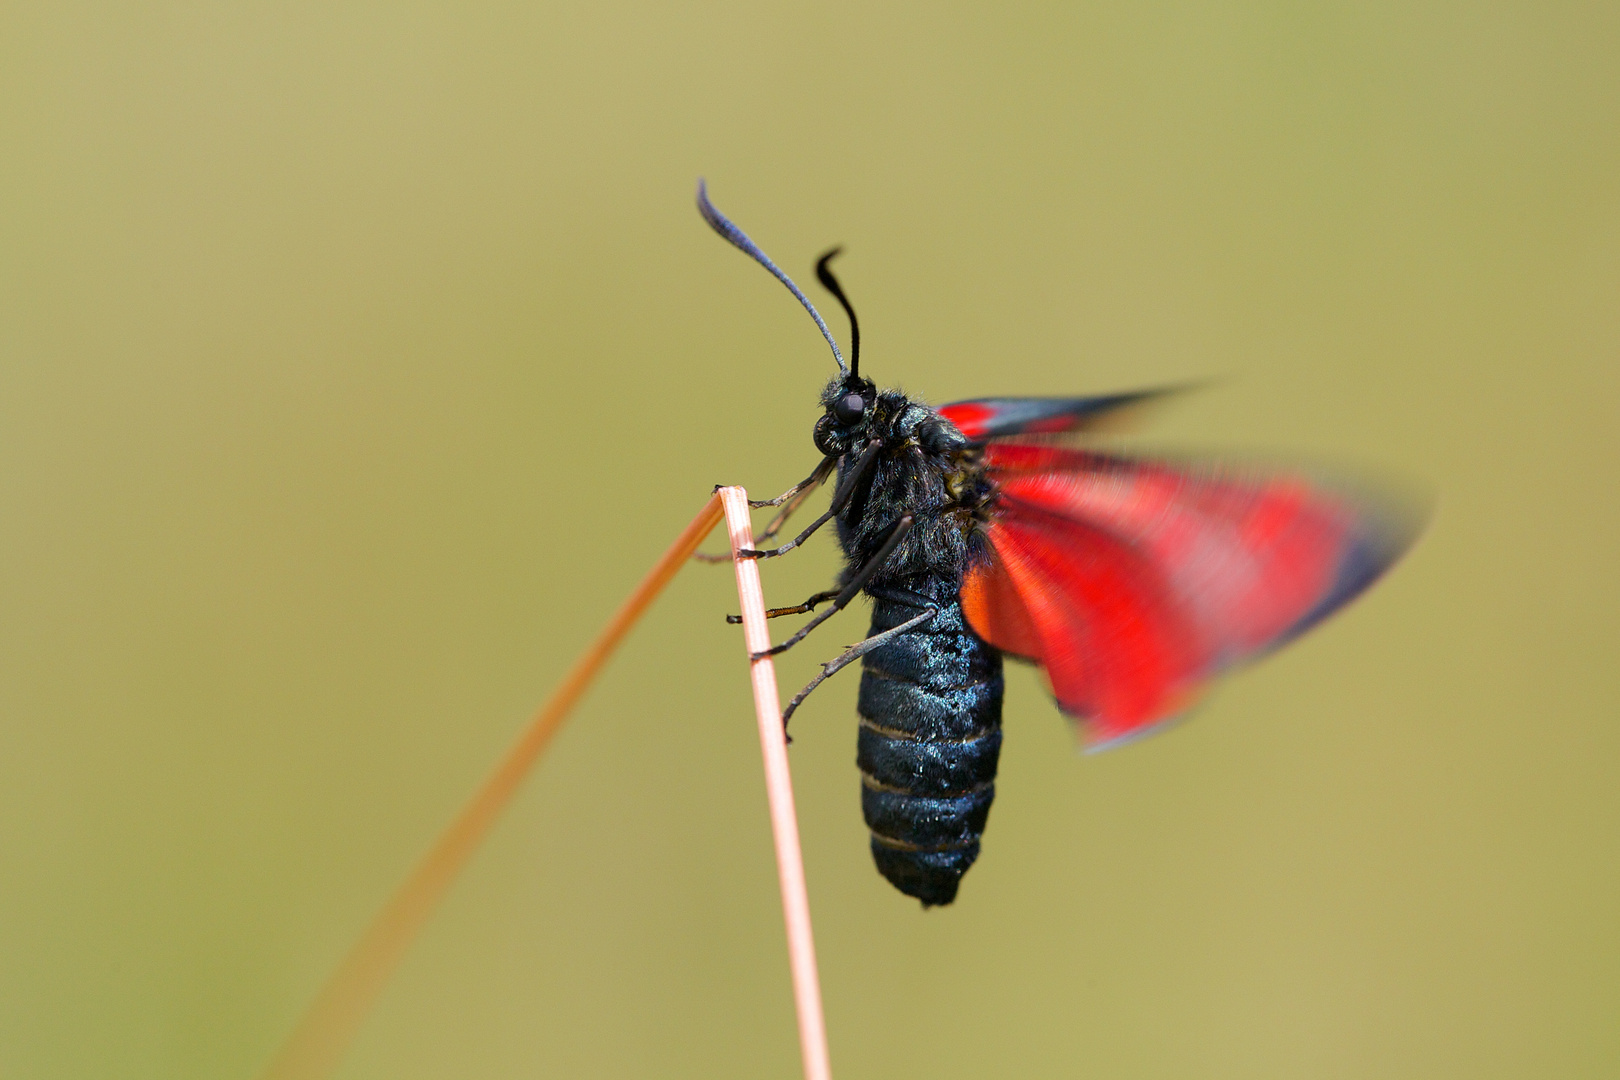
x=930, y=698
x=911, y=499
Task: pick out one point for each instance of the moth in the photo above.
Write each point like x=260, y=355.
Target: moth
x=986, y=529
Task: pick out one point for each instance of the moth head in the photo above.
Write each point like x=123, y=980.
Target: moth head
x=848, y=405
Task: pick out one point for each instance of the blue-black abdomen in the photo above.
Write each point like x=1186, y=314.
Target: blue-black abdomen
x=930, y=735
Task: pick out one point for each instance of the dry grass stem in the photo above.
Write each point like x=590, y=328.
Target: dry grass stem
x=779, y=789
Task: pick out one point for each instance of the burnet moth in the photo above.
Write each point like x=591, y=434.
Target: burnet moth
x=984, y=528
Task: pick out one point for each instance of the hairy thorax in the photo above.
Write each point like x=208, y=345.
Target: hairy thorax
x=925, y=468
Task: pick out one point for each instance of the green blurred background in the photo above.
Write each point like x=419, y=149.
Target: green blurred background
x=356, y=359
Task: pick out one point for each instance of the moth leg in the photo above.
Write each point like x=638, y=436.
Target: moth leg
x=802, y=487
x=796, y=609
x=838, y=663
x=793, y=496
x=841, y=496
x=774, y=526
x=851, y=589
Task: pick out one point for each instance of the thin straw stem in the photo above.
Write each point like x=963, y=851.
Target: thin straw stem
x=319, y=1041
x=779, y=790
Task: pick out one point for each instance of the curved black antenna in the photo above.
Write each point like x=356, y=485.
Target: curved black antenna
x=830, y=283
x=720, y=224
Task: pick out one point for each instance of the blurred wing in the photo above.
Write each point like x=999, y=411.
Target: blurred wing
x=996, y=418
x=1133, y=582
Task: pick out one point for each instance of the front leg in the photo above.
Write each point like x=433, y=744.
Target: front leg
x=797, y=499
x=841, y=496
x=802, y=488
x=793, y=496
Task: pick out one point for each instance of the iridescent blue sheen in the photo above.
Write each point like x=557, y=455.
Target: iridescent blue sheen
x=930, y=736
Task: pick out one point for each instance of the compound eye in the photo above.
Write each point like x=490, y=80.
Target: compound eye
x=849, y=409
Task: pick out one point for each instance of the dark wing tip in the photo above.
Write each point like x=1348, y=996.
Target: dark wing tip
x=983, y=419
x=1390, y=519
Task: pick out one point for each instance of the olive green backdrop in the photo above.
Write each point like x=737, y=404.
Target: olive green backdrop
x=356, y=359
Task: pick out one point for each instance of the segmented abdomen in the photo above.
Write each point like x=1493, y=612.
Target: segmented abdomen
x=930, y=710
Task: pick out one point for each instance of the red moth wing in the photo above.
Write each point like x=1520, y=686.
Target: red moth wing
x=1142, y=579
x=1116, y=647
x=997, y=613
x=996, y=418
